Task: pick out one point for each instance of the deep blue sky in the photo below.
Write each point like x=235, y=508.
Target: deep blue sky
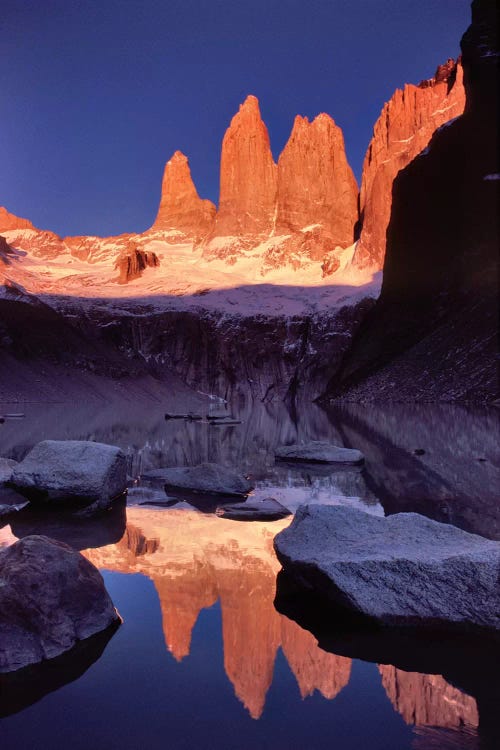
x=97, y=94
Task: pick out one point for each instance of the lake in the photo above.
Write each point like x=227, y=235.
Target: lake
x=205, y=656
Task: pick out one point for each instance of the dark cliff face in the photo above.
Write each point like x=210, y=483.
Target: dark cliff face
x=433, y=332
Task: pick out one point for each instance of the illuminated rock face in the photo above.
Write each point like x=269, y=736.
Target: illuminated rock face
x=195, y=560
x=427, y=699
x=9, y=221
x=315, y=183
x=248, y=176
x=404, y=128
x=181, y=208
x=439, y=298
x=132, y=262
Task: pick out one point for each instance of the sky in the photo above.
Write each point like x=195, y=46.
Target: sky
x=97, y=94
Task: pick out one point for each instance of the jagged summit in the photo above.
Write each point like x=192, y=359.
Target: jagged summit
x=405, y=126
x=181, y=208
x=304, y=209
x=10, y=221
x=315, y=182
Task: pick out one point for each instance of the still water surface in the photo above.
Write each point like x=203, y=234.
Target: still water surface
x=203, y=658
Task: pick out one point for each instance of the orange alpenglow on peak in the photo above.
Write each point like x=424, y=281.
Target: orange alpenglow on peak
x=9, y=221
x=403, y=130
x=315, y=182
x=181, y=208
x=248, y=175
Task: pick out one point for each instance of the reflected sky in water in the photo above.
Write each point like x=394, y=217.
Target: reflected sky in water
x=203, y=658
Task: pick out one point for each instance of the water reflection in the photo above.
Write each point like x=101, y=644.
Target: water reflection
x=21, y=689
x=195, y=560
x=199, y=563
x=441, y=460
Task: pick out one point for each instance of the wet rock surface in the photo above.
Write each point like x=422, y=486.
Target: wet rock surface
x=6, y=469
x=404, y=570
x=50, y=598
x=266, y=509
x=92, y=474
x=207, y=478
x=319, y=452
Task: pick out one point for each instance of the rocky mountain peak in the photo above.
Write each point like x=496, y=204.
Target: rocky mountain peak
x=181, y=208
x=315, y=182
x=10, y=221
x=248, y=175
x=405, y=126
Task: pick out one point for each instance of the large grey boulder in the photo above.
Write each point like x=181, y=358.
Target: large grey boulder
x=210, y=479
x=6, y=469
x=76, y=470
x=265, y=509
x=50, y=598
x=319, y=452
x=402, y=570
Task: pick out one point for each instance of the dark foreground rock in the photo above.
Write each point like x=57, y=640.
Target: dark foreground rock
x=75, y=470
x=27, y=686
x=404, y=570
x=50, y=598
x=207, y=478
x=267, y=509
x=319, y=452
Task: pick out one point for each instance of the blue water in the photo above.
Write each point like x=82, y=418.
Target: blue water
x=220, y=579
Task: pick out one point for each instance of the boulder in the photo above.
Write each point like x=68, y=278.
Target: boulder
x=6, y=468
x=207, y=478
x=267, y=509
x=403, y=570
x=319, y=452
x=51, y=597
x=72, y=470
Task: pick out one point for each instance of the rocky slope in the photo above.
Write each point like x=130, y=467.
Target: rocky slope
x=433, y=333
x=404, y=128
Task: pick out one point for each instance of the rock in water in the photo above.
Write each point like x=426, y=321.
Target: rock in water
x=76, y=470
x=404, y=570
x=267, y=509
x=210, y=479
x=50, y=598
x=6, y=469
x=319, y=452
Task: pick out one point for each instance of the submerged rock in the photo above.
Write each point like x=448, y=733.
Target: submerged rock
x=267, y=509
x=205, y=478
x=224, y=421
x=319, y=452
x=75, y=470
x=404, y=570
x=50, y=598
